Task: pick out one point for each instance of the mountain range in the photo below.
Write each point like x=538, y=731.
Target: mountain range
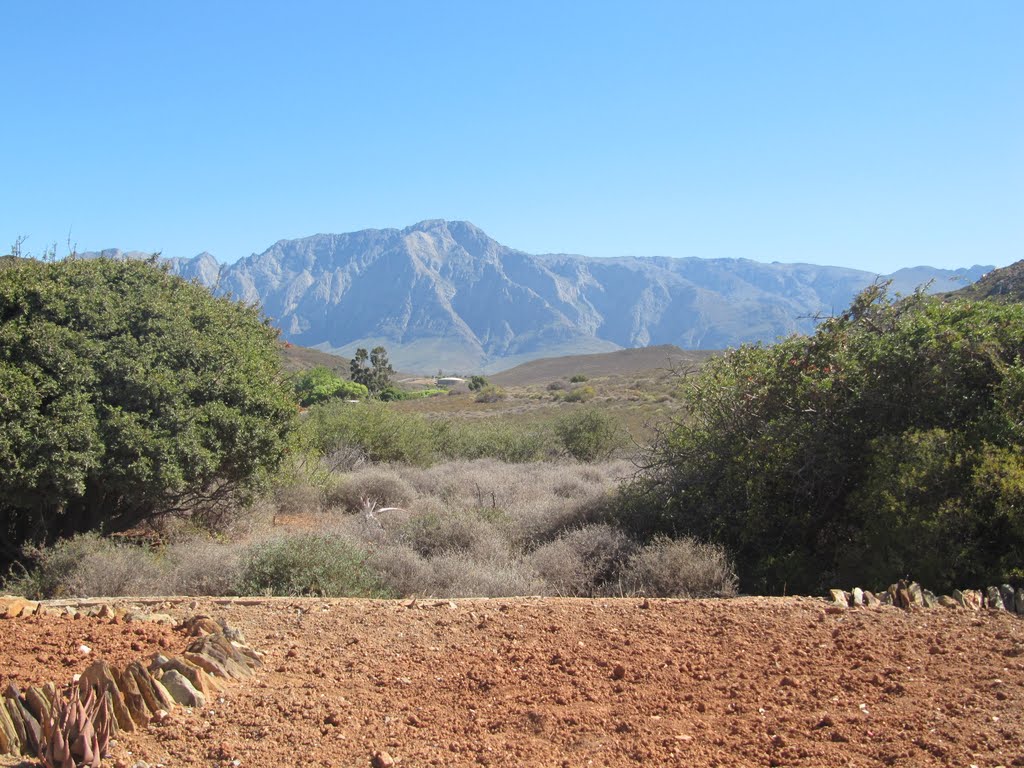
x=442, y=295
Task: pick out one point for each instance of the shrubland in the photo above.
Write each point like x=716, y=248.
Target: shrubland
x=889, y=443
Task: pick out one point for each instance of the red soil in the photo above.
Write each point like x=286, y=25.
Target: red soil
x=546, y=682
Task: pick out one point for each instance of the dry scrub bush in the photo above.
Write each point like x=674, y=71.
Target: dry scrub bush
x=299, y=498
x=203, y=567
x=96, y=567
x=680, y=568
x=581, y=561
x=459, y=574
x=381, y=486
x=431, y=533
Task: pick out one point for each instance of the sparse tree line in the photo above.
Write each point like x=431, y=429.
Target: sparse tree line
x=889, y=443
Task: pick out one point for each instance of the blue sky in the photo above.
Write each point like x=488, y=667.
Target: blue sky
x=871, y=134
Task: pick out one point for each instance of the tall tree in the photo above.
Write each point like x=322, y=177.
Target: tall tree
x=372, y=370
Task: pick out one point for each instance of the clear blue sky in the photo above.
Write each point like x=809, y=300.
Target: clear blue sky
x=872, y=134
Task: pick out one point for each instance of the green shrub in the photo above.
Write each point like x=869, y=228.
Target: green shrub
x=308, y=564
x=490, y=394
x=579, y=394
x=579, y=378
x=500, y=439
x=589, y=435
x=889, y=443
x=128, y=394
x=380, y=434
x=320, y=384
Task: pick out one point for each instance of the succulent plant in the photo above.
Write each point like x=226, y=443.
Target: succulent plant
x=77, y=734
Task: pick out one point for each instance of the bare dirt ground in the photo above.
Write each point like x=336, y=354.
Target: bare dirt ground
x=552, y=682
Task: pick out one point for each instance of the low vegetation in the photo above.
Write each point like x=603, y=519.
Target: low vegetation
x=460, y=528
x=890, y=443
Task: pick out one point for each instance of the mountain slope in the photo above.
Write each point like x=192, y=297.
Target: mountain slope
x=1004, y=285
x=444, y=295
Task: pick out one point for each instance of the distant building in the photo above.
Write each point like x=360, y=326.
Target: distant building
x=450, y=381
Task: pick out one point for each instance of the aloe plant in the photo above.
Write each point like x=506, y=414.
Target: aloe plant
x=77, y=734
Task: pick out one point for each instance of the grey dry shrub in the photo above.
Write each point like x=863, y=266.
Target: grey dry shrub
x=680, y=568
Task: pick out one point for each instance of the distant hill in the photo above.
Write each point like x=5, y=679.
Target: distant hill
x=621, y=362
x=1003, y=285
x=442, y=295
x=296, y=358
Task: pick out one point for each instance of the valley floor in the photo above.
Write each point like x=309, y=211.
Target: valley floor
x=574, y=682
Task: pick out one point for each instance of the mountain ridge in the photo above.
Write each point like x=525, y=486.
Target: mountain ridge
x=443, y=295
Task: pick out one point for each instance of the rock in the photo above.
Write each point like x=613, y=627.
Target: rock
x=973, y=599
x=105, y=612
x=382, y=760
x=100, y=678
x=916, y=595
x=930, y=600
x=1018, y=601
x=37, y=704
x=182, y=690
x=948, y=602
x=133, y=698
x=13, y=607
x=222, y=651
x=204, y=662
x=858, y=596
x=1006, y=593
x=144, y=681
x=162, y=693
x=993, y=599
x=199, y=625
x=901, y=595
x=10, y=744
x=870, y=600
x=618, y=672
x=201, y=681
x=885, y=598
x=14, y=714
x=33, y=731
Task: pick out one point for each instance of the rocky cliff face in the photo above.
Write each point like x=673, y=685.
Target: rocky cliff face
x=442, y=294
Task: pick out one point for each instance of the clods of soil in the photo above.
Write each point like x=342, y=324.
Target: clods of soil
x=571, y=682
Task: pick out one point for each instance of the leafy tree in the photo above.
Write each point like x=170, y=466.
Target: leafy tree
x=321, y=383
x=127, y=393
x=477, y=383
x=890, y=443
x=372, y=370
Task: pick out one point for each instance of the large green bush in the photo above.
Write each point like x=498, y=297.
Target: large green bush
x=887, y=444
x=307, y=565
x=589, y=435
x=127, y=393
x=321, y=383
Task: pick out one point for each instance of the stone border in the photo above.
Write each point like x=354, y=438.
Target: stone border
x=911, y=595
x=134, y=696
